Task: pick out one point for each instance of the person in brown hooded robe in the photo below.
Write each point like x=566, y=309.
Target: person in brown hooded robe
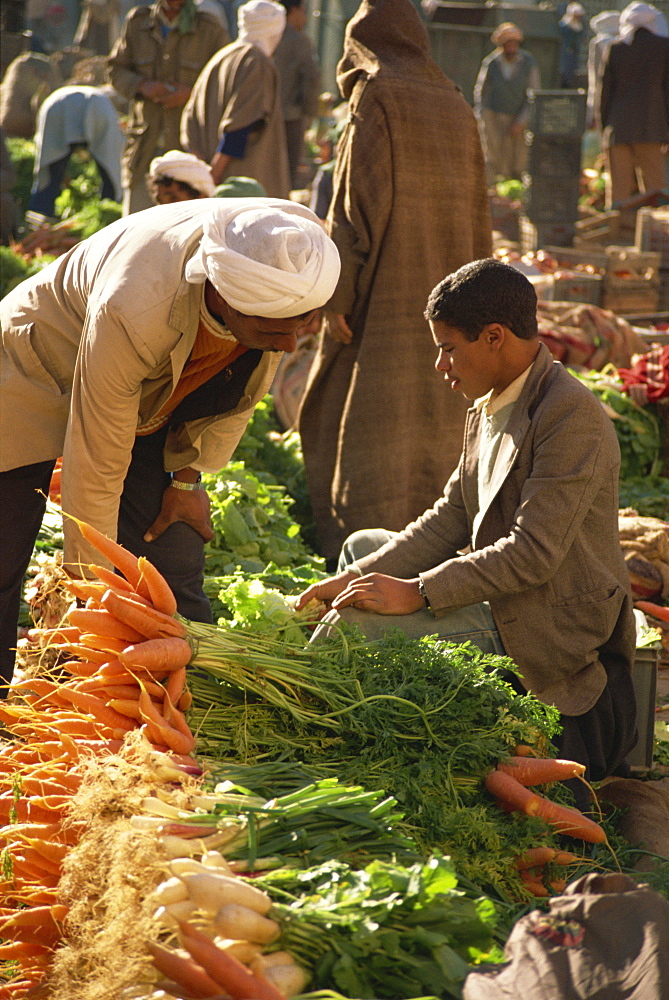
x=379, y=434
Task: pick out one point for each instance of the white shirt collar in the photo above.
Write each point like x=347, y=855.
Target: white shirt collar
x=493, y=401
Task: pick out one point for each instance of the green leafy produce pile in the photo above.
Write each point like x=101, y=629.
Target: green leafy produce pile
x=15, y=268
x=422, y=720
x=647, y=495
x=386, y=931
x=22, y=155
x=636, y=427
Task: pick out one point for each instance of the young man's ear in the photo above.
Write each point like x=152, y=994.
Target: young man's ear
x=494, y=334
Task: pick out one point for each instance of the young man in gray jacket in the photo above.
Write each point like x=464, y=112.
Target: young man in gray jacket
x=521, y=554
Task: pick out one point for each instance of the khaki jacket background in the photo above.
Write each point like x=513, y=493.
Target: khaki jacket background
x=142, y=53
x=94, y=344
x=546, y=555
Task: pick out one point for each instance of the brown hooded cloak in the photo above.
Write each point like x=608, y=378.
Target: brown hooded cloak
x=380, y=430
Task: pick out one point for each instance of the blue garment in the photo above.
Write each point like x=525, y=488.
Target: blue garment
x=570, y=48
x=234, y=143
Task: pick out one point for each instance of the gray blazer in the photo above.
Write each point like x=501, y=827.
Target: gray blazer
x=546, y=554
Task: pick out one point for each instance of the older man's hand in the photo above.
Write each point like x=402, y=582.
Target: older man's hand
x=190, y=506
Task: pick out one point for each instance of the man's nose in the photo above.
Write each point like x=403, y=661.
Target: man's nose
x=442, y=364
x=286, y=342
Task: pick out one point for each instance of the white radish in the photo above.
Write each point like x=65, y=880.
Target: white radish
x=214, y=859
x=263, y=962
x=243, y=951
x=171, y=891
x=172, y=913
x=288, y=979
x=212, y=890
x=185, y=866
x=238, y=921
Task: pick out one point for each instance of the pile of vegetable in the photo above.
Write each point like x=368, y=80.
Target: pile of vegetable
x=636, y=427
x=112, y=820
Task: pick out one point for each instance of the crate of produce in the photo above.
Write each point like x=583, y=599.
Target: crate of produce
x=557, y=112
x=652, y=232
x=553, y=156
x=574, y=286
x=552, y=199
x=591, y=261
x=625, y=265
x=634, y=297
x=534, y=236
x=644, y=679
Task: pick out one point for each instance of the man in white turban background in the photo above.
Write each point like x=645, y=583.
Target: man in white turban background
x=178, y=176
x=633, y=106
x=139, y=357
x=234, y=118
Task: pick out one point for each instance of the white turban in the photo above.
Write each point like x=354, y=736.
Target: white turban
x=266, y=257
x=186, y=168
x=261, y=22
x=573, y=16
x=606, y=22
x=506, y=32
x=642, y=15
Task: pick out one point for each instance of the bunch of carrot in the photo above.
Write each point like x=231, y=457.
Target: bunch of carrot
x=128, y=654
x=510, y=783
x=37, y=782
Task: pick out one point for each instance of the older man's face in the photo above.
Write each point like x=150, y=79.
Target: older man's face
x=510, y=48
x=259, y=332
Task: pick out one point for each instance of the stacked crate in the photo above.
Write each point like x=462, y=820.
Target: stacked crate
x=552, y=181
x=631, y=281
x=652, y=234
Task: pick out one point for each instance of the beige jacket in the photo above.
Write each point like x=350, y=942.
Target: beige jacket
x=143, y=54
x=94, y=344
x=240, y=87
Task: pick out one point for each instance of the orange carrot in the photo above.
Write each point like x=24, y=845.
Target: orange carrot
x=17, y=949
x=155, y=587
x=227, y=971
x=508, y=790
x=568, y=821
x=119, y=557
x=565, y=820
x=177, y=721
x=522, y=750
x=151, y=624
x=540, y=770
x=185, y=701
x=63, y=633
x=169, y=653
x=535, y=856
x=85, y=653
x=112, y=579
x=175, y=684
x=105, y=643
x=183, y=971
x=127, y=706
x=654, y=610
x=102, y=622
x=85, y=589
x=80, y=668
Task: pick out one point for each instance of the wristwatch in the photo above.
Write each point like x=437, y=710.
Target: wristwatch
x=421, y=591
x=178, y=485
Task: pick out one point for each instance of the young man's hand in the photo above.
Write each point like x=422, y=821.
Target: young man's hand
x=335, y=326
x=326, y=590
x=386, y=595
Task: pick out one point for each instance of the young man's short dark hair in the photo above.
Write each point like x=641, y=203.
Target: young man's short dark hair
x=485, y=291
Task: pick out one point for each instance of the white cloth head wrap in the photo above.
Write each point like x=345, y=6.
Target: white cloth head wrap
x=606, y=22
x=642, y=15
x=186, y=168
x=261, y=22
x=573, y=16
x=505, y=32
x=266, y=257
